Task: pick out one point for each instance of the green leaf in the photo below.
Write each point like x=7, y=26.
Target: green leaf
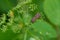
x=5, y=5
x=8, y=35
x=52, y=10
x=44, y=28
x=34, y=35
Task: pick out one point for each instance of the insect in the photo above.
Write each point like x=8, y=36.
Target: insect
x=37, y=16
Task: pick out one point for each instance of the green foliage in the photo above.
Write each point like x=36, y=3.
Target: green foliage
x=44, y=28
x=6, y=5
x=16, y=16
x=51, y=8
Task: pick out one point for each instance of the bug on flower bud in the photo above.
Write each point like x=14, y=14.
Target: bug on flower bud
x=37, y=16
